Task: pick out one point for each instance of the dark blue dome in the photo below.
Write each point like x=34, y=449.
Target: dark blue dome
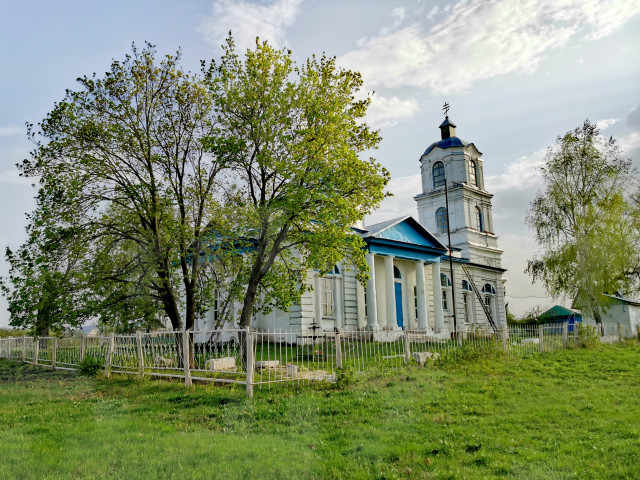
x=446, y=143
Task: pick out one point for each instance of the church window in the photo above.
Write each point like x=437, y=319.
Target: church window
x=396, y=272
x=479, y=220
x=473, y=173
x=490, y=293
x=488, y=301
x=466, y=300
x=445, y=283
x=442, y=222
x=488, y=288
x=415, y=301
x=326, y=290
x=438, y=174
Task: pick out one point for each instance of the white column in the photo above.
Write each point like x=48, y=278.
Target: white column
x=437, y=297
x=392, y=322
x=338, y=303
x=422, y=296
x=372, y=304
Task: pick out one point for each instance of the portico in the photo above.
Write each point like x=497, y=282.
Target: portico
x=403, y=259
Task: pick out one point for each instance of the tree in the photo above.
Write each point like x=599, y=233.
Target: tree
x=292, y=135
x=583, y=220
x=123, y=171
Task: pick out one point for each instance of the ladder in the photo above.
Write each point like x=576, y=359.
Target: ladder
x=475, y=289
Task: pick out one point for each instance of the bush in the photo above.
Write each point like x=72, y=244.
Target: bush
x=345, y=376
x=587, y=336
x=90, y=365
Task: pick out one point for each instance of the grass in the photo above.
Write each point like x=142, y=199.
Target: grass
x=569, y=414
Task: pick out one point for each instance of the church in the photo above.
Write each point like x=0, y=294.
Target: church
x=438, y=274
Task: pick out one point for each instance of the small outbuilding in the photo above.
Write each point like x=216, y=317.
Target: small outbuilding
x=559, y=314
x=620, y=310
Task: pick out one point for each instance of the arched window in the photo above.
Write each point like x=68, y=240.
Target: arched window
x=442, y=222
x=396, y=272
x=490, y=293
x=473, y=172
x=438, y=174
x=466, y=286
x=488, y=288
x=479, y=220
x=444, y=280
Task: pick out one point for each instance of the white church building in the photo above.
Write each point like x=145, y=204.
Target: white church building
x=415, y=281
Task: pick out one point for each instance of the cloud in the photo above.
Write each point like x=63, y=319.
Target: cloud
x=247, y=21
x=432, y=13
x=633, y=119
x=388, y=111
x=480, y=39
x=606, y=123
x=11, y=131
x=629, y=142
x=519, y=175
x=402, y=203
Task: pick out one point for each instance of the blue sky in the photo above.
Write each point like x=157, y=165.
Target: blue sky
x=517, y=74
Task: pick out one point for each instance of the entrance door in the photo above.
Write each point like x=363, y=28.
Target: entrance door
x=399, y=304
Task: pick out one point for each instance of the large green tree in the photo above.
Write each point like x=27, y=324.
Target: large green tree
x=583, y=220
x=123, y=170
x=292, y=136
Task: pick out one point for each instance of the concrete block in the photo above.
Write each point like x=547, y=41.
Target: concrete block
x=224, y=363
x=267, y=364
x=292, y=370
x=423, y=357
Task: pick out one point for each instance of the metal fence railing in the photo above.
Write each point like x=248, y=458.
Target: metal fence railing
x=269, y=358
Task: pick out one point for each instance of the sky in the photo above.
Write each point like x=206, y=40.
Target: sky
x=517, y=73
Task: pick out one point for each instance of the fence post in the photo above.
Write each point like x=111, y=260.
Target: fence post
x=541, y=335
x=185, y=357
x=407, y=347
x=36, y=350
x=83, y=347
x=140, y=356
x=107, y=363
x=249, y=347
x=565, y=334
x=54, y=353
x=24, y=347
x=338, y=348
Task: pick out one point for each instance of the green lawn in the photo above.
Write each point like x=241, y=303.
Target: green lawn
x=569, y=414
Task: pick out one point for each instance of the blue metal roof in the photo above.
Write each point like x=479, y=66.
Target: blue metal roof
x=447, y=143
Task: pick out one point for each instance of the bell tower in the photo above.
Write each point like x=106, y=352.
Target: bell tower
x=469, y=216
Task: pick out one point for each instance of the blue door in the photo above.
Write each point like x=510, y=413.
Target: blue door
x=399, y=305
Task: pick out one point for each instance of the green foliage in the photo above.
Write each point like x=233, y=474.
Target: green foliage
x=128, y=201
x=292, y=135
x=159, y=189
x=11, y=332
x=345, y=376
x=583, y=220
x=90, y=365
x=588, y=336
